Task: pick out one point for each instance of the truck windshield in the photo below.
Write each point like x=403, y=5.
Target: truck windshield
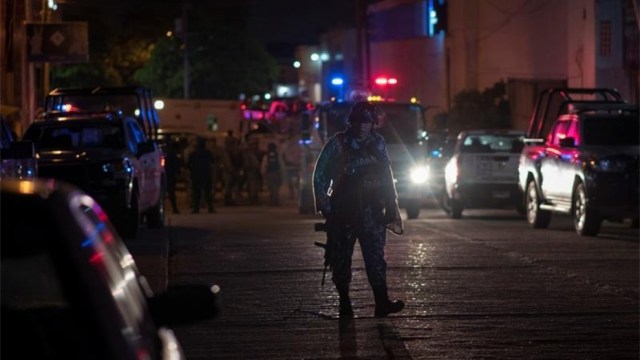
x=399, y=123
x=73, y=136
x=622, y=130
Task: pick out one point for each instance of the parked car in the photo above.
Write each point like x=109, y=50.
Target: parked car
x=483, y=171
x=439, y=151
x=70, y=289
x=109, y=156
x=581, y=158
x=17, y=158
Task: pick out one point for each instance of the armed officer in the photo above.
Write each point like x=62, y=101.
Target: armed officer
x=354, y=191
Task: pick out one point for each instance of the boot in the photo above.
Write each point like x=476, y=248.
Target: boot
x=346, y=310
x=384, y=306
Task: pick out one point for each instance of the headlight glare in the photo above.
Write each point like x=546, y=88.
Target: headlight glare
x=419, y=174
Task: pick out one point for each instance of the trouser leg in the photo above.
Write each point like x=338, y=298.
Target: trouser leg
x=195, y=195
x=372, y=242
x=341, y=269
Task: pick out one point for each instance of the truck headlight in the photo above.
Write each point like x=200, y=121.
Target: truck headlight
x=419, y=174
x=608, y=165
x=120, y=169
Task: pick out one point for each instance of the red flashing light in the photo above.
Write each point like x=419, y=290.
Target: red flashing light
x=383, y=81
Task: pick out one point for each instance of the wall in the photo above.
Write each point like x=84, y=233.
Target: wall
x=191, y=115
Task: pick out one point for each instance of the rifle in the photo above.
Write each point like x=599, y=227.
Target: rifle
x=329, y=246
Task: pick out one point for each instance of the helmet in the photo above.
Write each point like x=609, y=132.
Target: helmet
x=363, y=111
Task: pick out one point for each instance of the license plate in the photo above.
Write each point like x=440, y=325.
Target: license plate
x=501, y=194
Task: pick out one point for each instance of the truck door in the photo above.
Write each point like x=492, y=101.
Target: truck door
x=550, y=163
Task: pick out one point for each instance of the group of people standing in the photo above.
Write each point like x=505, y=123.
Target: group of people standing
x=239, y=169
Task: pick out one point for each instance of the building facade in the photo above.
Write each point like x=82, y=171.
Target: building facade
x=438, y=48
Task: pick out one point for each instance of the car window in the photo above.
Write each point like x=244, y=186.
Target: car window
x=136, y=132
x=617, y=131
x=36, y=291
x=490, y=143
x=560, y=131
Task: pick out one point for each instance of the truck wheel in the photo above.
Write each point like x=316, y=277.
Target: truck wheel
x=456, y=209
x=586, y=220
x=155, y=215
x=536, y=217
x=413, y=209
x=131, y=221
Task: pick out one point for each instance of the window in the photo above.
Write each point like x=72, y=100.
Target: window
x=605, y=38
x=560, y=131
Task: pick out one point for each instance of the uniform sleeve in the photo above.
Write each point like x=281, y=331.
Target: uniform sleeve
x=325, y=170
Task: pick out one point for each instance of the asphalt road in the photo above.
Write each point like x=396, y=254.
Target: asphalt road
x=483, y=287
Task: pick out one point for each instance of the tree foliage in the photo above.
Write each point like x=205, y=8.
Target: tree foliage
x=126, y=50
x=473, y=109
x=223, y=63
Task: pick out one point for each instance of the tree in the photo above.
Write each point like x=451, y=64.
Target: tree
x=224, y=62
x=163, y=72
x=473, y=109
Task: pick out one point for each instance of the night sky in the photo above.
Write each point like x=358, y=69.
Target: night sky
x=279, y=24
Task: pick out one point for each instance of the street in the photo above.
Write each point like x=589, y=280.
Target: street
x=485, y=286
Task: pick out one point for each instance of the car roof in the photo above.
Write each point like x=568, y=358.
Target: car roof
x=98, y=90
x=53, y=117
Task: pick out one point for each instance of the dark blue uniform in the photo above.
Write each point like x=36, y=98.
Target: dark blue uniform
x=354, y=189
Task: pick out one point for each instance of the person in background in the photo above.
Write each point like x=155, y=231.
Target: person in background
x=271, y=169
x=217, y=168
x=291, y=157
x=251, y=161
x=233, y=171
x=200, y=163
x=172, y=167
x=354, y=190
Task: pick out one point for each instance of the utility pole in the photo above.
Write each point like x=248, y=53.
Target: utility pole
x=184, y=33
x=361, y=6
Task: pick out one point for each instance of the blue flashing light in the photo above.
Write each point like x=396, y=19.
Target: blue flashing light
x=433, y=19
x=436, y=153
x=338, y=81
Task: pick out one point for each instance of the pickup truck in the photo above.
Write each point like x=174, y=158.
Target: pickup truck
x=109, y=157
x=581, y=158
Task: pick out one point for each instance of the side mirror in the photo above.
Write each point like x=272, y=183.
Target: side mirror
x=568, y=142
x=184, y=304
